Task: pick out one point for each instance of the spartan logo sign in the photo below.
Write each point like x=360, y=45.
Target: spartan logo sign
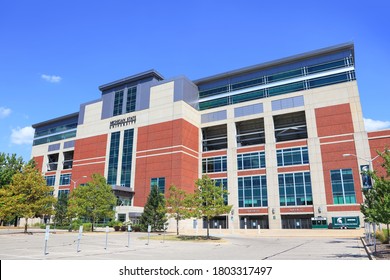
x=366, y=179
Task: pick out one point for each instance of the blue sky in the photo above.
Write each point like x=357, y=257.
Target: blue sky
x=55, y=54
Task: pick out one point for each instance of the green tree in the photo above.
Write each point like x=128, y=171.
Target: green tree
x=154, y=211
x=208, y=201
x=9, y=166
x=178, y=205
x=61, y=210
x=376, y=205
x=27, y=196
x=92, y=202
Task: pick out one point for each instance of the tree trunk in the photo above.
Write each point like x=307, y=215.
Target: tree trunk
x=388, y=234
x=25, y=226
x=208, y=228
x=177, y=226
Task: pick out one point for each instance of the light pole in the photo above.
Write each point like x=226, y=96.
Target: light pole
x=75, y=181
x=370, y=167
x=370, y=183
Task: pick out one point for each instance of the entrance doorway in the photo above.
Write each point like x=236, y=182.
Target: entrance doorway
x=296, y=221
x=252, y=222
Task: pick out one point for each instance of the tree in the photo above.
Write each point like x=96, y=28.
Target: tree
x=27, y=196
x=92, y=202
x=61, y=210
x=376, y=205
x=178, y=205
x=9, y=166
x=154, y=211
x=208, y=201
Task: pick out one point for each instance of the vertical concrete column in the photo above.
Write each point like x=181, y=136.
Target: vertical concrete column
x=232, y=170
x=315, y=161
x=274, y=218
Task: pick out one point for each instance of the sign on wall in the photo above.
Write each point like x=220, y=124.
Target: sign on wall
x=366, y=179
x=123, y=122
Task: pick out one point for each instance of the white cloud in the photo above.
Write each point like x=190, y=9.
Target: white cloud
x=4, y=112
x=372, y=125
x=51, y=78
x=23, y=135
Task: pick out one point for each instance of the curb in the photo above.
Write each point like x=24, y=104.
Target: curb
x=368, y=250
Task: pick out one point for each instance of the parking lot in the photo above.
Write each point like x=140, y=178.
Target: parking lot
x=251, y=245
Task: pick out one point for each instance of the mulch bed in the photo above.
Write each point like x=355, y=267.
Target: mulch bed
x=382, y=251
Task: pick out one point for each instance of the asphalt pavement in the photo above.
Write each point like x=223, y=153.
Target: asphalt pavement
x=234, y=245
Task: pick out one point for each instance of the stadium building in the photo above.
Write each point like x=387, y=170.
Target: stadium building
x=286, y=138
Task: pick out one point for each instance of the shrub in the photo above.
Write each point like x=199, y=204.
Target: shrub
x=87, y=227
x=136, y=228
x=114, y=223
x=75, y=225
x=381, y=235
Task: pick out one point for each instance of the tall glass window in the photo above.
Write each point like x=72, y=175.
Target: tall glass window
x=224, y=183
x=50, y=180
x=292, y=156
x=131, y=98
x=343, y=186
x=214, y=164
x=118, y=103
x=127, y=157
x=252, y=191
x=63, y=192
x=159, y=182
x=295, y=189
x=251, y=161
x=113, y=159
x=65, y=179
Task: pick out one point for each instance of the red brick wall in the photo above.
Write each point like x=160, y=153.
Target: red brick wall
x=169, y=150
x=39, y=161
x=333, y=121
x=379, y=141
x=89, y=158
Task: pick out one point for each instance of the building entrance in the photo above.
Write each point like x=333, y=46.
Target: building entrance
x=296, y=221
x=252, y=222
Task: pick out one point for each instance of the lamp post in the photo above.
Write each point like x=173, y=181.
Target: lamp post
x=75, y=181
x=370, y=161
x=370, y=167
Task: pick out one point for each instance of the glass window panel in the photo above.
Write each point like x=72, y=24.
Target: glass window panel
x=213, y=103
x=343, y=186
x=246, y=84
x=262, y=159
x=214, y=91
x=326, y=66
x=248, y=96
x=279, y=156
x=239, y=162
x=247, y=162
x=255, y=161
x=254, y=193
x=113, y=158
x=286, y=88
x=118, y=103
